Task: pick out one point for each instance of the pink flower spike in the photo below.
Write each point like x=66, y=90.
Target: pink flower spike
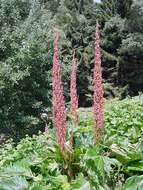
x=97, y=87
x=59, y=114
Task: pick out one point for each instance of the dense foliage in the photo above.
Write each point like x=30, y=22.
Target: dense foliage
x=26, y=50
x=114, y=163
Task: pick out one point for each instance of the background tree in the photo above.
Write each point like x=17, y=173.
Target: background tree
x=131, y=51
x=26, y=50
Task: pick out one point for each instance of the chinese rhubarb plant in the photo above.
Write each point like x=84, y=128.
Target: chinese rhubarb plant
x=47, y=161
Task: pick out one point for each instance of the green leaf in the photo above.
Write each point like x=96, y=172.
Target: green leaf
x=91, y=153
x=86, y=186
x=37, y=187
x=80, y=183
x=14, y=183
x=134, y=183
x=99, y=163
x=137, y=166
x=120, y=153
x=19, y=168
x=108, y=163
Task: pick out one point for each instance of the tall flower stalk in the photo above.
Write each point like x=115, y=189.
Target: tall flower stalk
x=59, y=113
x=74, y=98
x=98, y=88
x=73, y=91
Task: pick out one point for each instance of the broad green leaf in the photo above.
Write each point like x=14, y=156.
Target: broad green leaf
x=134, y=183
x=13, y=183
x=80, y=183
x=86, y=186
x=120, y=153
x=109, y=163
x=19, y=169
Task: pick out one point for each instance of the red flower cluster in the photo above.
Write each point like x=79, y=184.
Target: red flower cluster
x=59, y=114
x=73, y=91
x=98, y=88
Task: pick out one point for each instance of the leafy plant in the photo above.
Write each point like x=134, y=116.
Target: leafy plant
x=116, y=162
